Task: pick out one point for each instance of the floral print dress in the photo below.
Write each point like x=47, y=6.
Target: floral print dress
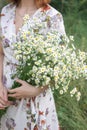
x=37, y=113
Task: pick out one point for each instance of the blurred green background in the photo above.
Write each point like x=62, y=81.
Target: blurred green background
x=72, y=114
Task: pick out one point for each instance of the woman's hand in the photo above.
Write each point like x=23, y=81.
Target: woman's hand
x=25, y=90
x=3, y=97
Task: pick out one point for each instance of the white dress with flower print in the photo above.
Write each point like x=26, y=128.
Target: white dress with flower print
x=37, y=113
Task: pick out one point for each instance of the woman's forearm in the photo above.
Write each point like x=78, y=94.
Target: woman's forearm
x=1, y=67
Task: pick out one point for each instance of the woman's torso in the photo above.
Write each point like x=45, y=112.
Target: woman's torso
x=9, y=36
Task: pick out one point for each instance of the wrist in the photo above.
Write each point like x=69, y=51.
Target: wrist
x=41, y=89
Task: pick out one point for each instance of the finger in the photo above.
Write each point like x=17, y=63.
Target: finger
x=2, y=106
x=20, y=81
x=2, y=101
x=5, y=103
x=12, y=95
x=9, y=103
x=12, y=90
x=17, y=96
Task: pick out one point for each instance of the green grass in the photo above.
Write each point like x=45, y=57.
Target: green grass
x=78, y=28
x=72, y=114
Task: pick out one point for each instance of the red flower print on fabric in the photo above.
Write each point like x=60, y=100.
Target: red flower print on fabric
x=35, y=127
x=41, y=112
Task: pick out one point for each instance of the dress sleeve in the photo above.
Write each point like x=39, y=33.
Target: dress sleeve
x=1, y=15
x=2, y=21
x=58, y=23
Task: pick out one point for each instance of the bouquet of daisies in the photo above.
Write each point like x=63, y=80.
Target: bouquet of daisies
x=49, y=60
